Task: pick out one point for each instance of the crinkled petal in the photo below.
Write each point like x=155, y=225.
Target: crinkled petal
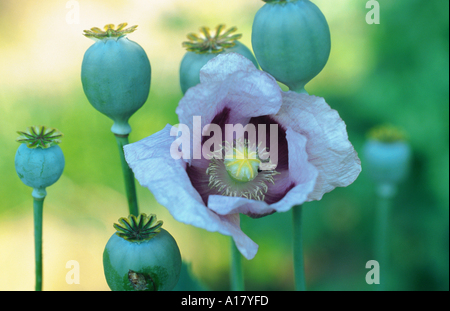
x=224, y=205
x=221, y=66
x=302, y=172
x=328, y=147
x=166, y=178
x=244, y=94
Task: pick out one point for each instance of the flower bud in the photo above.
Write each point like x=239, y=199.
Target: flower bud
x=39, y=160
x=201, y=48
x=115, y=74
x=291, y=41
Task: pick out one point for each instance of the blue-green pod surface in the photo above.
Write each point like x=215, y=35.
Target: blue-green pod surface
x=116, y=75
x=39, y=168
x=291, y=41
x=387, y=162
x=192, y=63
x=202, y=49
x=141, y=256
x=387, y=155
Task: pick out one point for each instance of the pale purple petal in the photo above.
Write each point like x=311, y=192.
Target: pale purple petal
x=240, y=96
x=302, y=173
x=221, y=66
x=328, y=147
x=166, y=178
x=246, y=94
x=224, y=205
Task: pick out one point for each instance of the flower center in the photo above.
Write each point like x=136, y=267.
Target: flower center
x=236, y=171
x=242, y=164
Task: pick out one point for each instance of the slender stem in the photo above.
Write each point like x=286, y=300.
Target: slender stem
x=237, y=274
x=38, y=204
x=297, y=241
x=299, y=269
x=298, y=89
x=128, y=176
x=385, y=193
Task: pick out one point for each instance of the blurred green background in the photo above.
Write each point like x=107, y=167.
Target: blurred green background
x=394, y=72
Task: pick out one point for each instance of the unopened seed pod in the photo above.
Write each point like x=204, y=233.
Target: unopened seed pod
x=205, y=46
x=387, y=155
x=39, y=161
x=115, y=74
x=291, y=41
x=141, y=256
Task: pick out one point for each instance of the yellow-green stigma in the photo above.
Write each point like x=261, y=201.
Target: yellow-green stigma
x=386, y=134
x=138, y=229
x=40, y=136
x=207, y=43
x=110, y=31
x=243, y=164
x=271, y=1
x=236, y=171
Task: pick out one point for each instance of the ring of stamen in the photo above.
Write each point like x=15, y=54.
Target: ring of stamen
x=235, y=171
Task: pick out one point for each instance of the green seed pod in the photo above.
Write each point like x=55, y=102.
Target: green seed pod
x=201, y=48
x=387, y=155
x=141, y=256
x=291, y=41
x=39, y=160
x=115, y=74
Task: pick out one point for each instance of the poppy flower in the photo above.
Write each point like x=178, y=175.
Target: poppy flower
x=213, y=172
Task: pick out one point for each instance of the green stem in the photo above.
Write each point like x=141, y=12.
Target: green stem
x=385, y=193
x=38, y=204
x=297, y=241
x=128, y=176
x=298, y=89
x=299, y=269
x=237, y=274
